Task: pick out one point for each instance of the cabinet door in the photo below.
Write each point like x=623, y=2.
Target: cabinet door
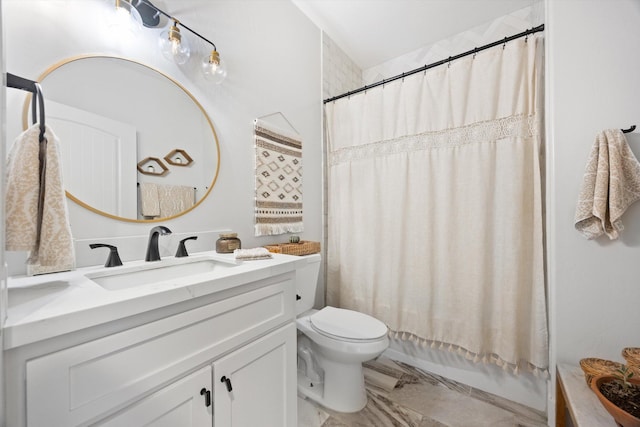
x=183, y=403
x=256, y=384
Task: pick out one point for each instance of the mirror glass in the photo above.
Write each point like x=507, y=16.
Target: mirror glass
x=135, y=144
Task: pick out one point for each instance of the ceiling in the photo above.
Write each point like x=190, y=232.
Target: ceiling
x=374, y=31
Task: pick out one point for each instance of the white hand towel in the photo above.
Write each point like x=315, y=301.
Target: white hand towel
x=610, y=185
x=51, y=250
x=253, y=253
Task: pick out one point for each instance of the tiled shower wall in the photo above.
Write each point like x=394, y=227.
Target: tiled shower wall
x=339, y=73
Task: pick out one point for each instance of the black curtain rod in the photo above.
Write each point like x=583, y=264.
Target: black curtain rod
x=436, y=64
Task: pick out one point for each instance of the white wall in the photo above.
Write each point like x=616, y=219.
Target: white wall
x=272, y=52
x=594, y=69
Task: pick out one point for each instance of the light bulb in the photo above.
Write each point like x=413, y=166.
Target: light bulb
x=213, y=68
x=174, y=47
x=124, y=21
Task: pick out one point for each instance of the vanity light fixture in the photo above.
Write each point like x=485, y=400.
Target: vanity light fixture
x=174, y=45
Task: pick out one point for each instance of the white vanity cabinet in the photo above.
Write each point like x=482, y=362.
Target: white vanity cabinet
x=168, y=371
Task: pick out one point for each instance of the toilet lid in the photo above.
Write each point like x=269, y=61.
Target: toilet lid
x=347, y=324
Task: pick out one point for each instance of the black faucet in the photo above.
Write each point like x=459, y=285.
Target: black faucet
x=153, y=254
x=113, y=260
x=182, y=249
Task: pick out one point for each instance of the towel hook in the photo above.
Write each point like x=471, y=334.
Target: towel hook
x=631, y=129
x=38, y=94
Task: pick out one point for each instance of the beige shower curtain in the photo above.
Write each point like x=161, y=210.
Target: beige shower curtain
x=435, y=206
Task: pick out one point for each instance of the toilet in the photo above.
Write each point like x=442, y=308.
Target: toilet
x=332, y=345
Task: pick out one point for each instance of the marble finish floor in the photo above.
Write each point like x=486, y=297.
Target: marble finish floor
x=400, y=395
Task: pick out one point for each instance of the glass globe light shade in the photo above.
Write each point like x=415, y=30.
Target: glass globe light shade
x=213, y=68
x=125, y=20
x=173, y=46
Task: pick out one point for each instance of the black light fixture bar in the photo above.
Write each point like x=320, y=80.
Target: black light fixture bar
x=436, y=64
x=147, y=3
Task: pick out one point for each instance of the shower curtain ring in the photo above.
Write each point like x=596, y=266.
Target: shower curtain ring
x=475, y=52
x=504, y=44
x=449, y=63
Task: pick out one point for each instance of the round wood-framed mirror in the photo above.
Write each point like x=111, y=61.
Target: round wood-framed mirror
x=115, y=119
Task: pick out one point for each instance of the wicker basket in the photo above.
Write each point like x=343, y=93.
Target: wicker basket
x=594, y=367
x=304, y=247
x=632, y=356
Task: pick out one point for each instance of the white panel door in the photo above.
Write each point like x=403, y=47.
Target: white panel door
x=256, y=385
x=184, y=403
x=99, y=159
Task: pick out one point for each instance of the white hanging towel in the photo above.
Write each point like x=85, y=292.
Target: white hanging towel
x=47, y=237
x=610, y=185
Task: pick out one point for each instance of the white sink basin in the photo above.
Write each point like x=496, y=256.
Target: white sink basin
x=118, y=278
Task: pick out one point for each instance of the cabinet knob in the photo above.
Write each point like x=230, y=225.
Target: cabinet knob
x=224, y=379
x=207, y=396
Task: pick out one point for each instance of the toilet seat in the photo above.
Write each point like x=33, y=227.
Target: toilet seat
x=349, y=325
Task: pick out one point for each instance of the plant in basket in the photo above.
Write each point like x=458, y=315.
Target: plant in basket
x=619, y=393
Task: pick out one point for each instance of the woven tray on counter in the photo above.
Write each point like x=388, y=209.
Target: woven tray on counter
x=304, y=247
x=594, y=367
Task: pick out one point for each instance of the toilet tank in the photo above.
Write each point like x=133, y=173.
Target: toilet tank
x=307, y=282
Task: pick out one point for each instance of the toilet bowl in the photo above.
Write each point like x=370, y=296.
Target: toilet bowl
x=332, y=345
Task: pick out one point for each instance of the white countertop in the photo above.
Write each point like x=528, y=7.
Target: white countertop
x=49, y=305
x=584, y=407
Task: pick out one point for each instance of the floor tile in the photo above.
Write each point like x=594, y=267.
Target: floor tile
x=310, y=414
x=400, y=395
x=380, y=412
x=523, y=414
x=380, y=380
